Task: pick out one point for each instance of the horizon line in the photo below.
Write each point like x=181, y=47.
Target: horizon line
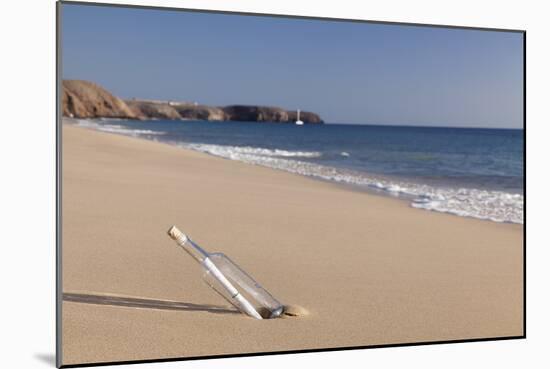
x=418, y=126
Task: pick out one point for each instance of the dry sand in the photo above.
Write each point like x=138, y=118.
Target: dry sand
x=361, y=269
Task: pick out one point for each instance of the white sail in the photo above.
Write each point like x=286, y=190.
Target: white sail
x=298, y=121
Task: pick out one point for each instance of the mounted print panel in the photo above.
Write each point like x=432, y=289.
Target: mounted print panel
x=241, y=184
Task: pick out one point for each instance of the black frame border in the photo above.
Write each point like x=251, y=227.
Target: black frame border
x=58, y=158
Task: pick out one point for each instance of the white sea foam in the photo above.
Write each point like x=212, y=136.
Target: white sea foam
x=242, y=152
x=497, y=206
x=115, y=128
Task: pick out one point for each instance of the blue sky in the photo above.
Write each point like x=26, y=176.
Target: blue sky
x=348, y=72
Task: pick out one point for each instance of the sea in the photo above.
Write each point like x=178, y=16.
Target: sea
x=468, y=172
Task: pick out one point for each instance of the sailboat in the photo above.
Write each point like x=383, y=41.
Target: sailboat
x=298, y=121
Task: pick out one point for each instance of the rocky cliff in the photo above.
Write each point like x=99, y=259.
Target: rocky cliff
x=83, y=99
x=248, y=113
x=200, y=112
x=153, y=110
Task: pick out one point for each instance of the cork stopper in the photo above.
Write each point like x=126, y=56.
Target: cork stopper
x=177, y=235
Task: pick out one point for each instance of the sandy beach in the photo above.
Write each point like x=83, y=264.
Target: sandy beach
x=356, y=268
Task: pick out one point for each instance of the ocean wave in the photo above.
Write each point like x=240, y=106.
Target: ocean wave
x=237, y=151
x=496, y=206
x=115, y=128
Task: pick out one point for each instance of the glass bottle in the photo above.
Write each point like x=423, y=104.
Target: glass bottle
x=230, y=281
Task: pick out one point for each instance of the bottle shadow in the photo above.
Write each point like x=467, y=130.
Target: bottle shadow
x=144, y=303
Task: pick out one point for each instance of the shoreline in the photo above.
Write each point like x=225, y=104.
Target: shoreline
x=408, y=198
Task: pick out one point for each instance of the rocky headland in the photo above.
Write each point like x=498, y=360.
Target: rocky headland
x=84, y=99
